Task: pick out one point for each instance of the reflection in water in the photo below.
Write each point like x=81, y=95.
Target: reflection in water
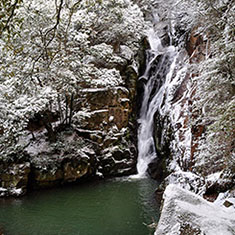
x=117, y=207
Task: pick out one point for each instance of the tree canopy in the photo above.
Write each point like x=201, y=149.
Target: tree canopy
x=48, y=48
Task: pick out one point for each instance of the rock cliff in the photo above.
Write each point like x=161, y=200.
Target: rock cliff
x=178, y=133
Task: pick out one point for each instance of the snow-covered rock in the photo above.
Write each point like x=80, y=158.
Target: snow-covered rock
x=186, y=180
x=184, y=212
x=14, y=178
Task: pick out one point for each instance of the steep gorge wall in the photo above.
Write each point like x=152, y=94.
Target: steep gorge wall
x=178, y=133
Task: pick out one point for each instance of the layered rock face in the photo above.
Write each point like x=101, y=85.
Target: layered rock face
x=107, y=119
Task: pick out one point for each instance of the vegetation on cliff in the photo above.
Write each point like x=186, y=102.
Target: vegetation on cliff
x=50, y=50
x=216, y=87
x=203, y=105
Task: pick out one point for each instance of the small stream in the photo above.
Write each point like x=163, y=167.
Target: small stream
x=119, y=207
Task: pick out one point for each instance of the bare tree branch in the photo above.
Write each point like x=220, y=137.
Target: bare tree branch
x=53, y=29
x=10, y=17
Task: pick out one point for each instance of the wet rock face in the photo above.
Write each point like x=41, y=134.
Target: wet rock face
x=163, y=135
x=176, y=131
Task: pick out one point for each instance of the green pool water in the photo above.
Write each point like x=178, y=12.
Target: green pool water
x=112, y=207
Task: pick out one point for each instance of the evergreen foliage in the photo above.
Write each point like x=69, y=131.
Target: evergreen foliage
x=48, y=48
x=216, y=85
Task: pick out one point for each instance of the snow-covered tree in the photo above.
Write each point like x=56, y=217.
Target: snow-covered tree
x=58, y=46
x=8, y=21
x=215, y=85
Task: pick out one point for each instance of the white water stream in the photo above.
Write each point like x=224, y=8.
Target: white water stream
x=160, y=65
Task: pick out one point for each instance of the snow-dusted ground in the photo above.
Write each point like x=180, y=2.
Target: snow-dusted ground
x=184, y=212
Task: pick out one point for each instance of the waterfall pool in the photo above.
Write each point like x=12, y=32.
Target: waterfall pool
x=112, y=207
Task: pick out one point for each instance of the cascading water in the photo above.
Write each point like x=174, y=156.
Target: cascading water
x=160, y=65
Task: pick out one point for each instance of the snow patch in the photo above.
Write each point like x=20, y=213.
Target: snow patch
x=16, y=191
x=111, y=118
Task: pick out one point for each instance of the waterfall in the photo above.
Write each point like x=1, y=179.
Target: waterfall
x=160, y=65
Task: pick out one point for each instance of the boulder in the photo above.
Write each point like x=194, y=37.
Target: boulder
x=115, y=161
x=186, y=180
x=184, y=213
